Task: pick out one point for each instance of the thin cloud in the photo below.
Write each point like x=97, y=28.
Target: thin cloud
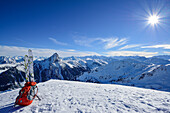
x=77, y=53
x=131, y=53
x=167, y=52
x=107, y=42
x=21, y=51
x=129, y=46
x=84, y=41
x=113, y=42
x=164, y=46
x=71, y=50
x=57, y=42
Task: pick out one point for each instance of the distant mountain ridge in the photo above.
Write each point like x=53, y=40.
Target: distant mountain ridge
x=153, y=72
x=16, y=59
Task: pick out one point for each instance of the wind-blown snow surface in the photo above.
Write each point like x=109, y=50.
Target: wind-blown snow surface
x=68, y=97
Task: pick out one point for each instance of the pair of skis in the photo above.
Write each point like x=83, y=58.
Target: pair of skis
x=29, y=71
x=30, y=89
x=28, y=92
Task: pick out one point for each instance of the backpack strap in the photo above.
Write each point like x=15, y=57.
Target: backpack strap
x=36, y=94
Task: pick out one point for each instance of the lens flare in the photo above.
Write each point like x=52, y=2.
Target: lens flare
x=153, y=19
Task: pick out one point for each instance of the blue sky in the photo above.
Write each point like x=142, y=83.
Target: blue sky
x=84, y=27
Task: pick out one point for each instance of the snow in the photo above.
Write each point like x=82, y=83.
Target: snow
x=167, y=65
x=1, y=71
x=70, y=65
x=67, y=96
x=131, y=72
x=158, y=78
x=21, y=68
x=5, y=67
x=113, y=70
x=8, y=65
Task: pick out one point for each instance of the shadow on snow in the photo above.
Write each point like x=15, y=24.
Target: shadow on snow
x=9, y=108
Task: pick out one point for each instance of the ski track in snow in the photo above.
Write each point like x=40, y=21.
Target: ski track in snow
x=76, y=97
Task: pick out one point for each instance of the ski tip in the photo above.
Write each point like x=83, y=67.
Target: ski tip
x=29, y=50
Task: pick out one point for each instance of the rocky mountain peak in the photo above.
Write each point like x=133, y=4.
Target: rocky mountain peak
x=54, y=58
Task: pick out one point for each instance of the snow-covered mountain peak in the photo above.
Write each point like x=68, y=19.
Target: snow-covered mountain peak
x=54, y=58
x=7, y=60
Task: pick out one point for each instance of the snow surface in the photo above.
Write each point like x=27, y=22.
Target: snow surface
x=5, y=67
x=1, y=71
x=76, y=97
x=131, y=72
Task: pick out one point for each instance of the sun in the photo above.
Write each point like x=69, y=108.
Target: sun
x=153, y=19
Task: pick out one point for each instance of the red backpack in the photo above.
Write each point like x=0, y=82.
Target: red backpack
x=27, y=94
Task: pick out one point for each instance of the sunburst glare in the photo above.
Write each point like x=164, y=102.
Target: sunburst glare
x=153, y=20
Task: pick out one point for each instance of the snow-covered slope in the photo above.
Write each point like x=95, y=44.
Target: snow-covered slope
x=157, y=77
x=11, y=76
x=88, y=62
x=133, y=72
x=58, y=96
x=115, y=70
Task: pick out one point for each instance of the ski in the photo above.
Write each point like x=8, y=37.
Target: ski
x=30, y=61
x=26, y=68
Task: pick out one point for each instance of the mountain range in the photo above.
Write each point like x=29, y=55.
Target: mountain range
x=153, y=72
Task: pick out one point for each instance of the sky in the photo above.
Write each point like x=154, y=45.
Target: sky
x=85, y=27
